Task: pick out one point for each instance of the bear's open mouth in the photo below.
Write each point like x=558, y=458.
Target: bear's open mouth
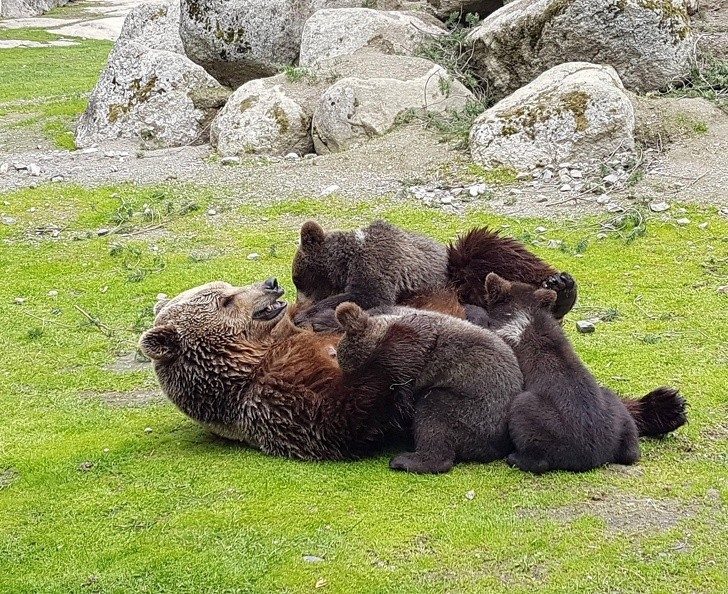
x=271, y=311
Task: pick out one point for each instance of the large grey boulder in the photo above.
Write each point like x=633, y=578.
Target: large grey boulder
x=648, y=42
x=573, y=112
x=332, y=33
x=377, y=90
x=157, y=97
x=155, y=25
x=270, y=116
x=13, y=9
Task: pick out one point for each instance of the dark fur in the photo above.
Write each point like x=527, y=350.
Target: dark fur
x=482, y=251
x=385, y=265
x=269, y=384
x=461, y=376
x=562, y=420
x=656, y=414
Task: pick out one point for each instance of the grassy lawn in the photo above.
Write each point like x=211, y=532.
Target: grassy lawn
x=104, y=487
x=48, y=99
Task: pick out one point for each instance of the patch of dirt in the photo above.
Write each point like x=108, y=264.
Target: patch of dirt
x=623, y=515
x=129, y=363
x=694, y=166
x=126, y=399
x=8, y=477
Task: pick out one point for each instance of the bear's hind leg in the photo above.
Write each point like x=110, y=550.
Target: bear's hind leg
x=628, y=450
x=420, y=463
x=527, y=463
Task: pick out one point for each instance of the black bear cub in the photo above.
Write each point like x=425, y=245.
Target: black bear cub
x=563, y=420
x=461, y=377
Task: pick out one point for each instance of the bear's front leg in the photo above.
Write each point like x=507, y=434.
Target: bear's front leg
x=566, y=292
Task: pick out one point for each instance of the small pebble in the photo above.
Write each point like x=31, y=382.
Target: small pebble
x=52, y=293
x=8, y=220
x=253, y=256
x=57, y=178
x=603, y=199
x=32, y=209
x=585, y=327
x=541, y=198
x=446, y=200
x=20, y=300
x=473, y=191
x=34, y=169
x=312, y=559
x=703, y=225
x=565, y=188
x=523, y=175
x=4, y=167
x=148, y=430
x=230, y=161
x=106, y=450
x=292, y=157
x=85, y=466
x=554, y=244
x=683, y=221
x=659, y=206
x=723, y=289
x=470, y=495
x=328, y=190
x=541, y=229
x=212, y=212
x=576, y=173
x=547, y=174
x=602, y=236
x=103, y=231
x=611, y=179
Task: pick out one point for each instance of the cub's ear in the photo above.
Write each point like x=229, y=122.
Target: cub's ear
x=496, y=288
x=545, y=297
x=160, y=343
x=353, y=319
x=312, y=235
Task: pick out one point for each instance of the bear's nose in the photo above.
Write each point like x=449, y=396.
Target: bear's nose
x=271, y=284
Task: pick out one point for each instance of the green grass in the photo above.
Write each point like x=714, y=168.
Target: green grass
x=49, y=99
x=90, y=502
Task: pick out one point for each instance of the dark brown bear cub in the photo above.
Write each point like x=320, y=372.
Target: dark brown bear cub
x=563, y=420
x=462, y=378
x=382, y=264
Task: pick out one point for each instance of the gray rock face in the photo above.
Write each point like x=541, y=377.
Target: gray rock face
x=270, y=116
x=368, y=102
x=573, y=112
x=13, y=9
x=154, y=25
x=240, y=40
x=158, y=97
x=444, y=8
x=648, y=42
x=332, y=33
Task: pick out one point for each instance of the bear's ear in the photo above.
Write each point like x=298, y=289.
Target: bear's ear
x=496, y=288
x=353, y=319
x=160, y=303
x=160, y=343
x=312, y=235
x=545, y=297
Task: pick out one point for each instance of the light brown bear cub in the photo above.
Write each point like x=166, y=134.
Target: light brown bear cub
x=462, y=378
x=231, y=359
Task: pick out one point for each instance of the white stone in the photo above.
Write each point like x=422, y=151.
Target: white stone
x=573, y=110
x=603, y=199
x=52, y=293
x=446, y=200
x=150, y=96
x=611, y=179
x=20, y=300
x=332, y=33
x=369, y=101
x=212, y=212
x=659, y=206
x=703, y=225
x=154, y=25
x=541, y=229
x=34, y=169
x=230, y=161
x=328, y=190
x=253, y=256
x=585, y=327
x=565, y=188
x=4, y=167
x=648, y=43
x=683, y=221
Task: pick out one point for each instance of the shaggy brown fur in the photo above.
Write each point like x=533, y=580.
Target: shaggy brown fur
x=462, y=377
x=231, y=359
x=385, y=265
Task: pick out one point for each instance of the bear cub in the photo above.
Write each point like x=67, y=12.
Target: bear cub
x=461, y=377
x=382, y=264
x=562, y=420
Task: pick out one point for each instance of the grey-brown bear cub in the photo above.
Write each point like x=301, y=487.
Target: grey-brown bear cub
x=463, y=379
x=563, y=419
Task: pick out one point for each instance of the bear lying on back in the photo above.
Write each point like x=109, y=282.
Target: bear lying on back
x=384, y=265
x=231, y=359
x=462, y=377
x=563, y=419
